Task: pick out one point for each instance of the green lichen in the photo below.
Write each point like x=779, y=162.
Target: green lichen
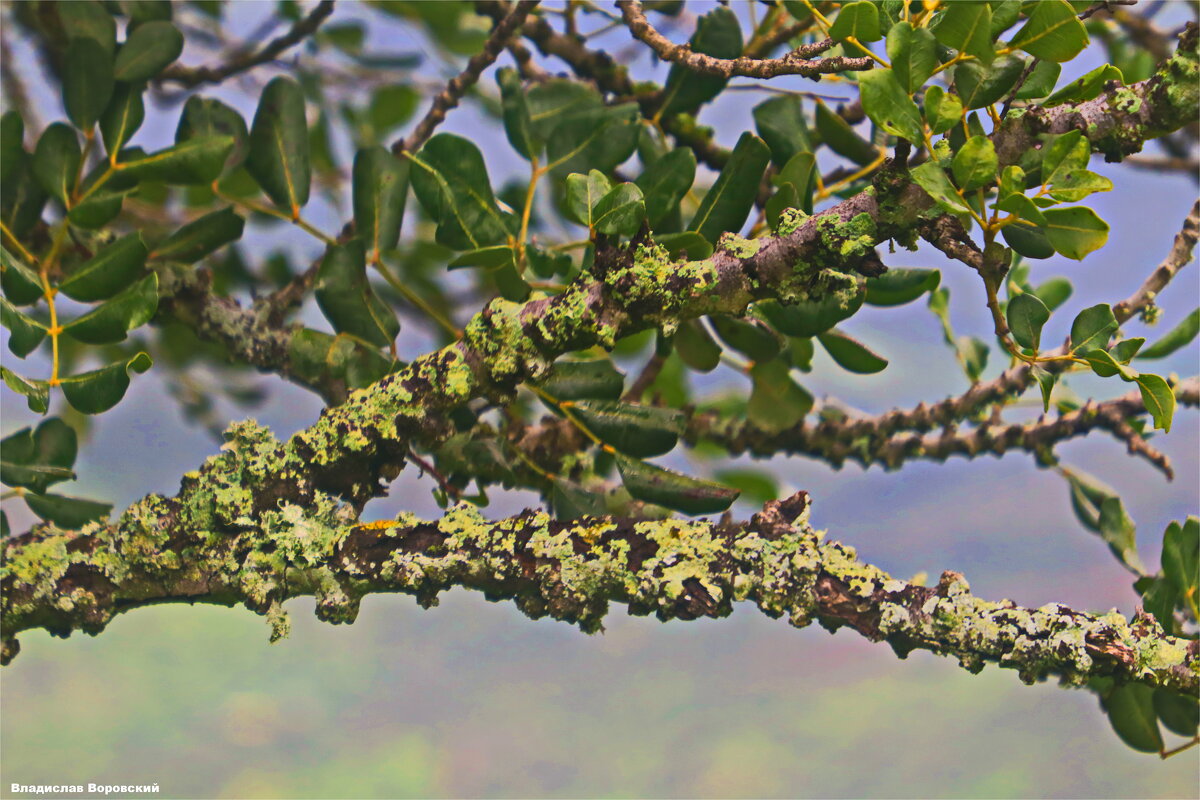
x=737, y=246
x=790, y=221
x=851, y=239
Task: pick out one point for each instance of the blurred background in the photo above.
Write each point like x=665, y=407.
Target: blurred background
x=474, y=699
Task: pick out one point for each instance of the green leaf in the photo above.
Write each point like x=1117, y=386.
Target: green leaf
x=22, y=286
x=665, y=183
x=800, y=172
x=967, y=28
x=748, y=336
x=850, y=354
x=1086, y=87
x=347, y=300
x=583, y=193
x=1158, y=398
x=37, y=459
x=856, y=20
x=101, y=389
x=25, y=332
x=499, y=255
x=518, y=124
x=912, y=53
x=1130, y=707
x=696, y=347
x=1180, y=556
x=810, y=317
x=1026, y=241
x=451, y=181
x=620, y=211
x=87, y=81
x=1074, y=187
x=147, y=51
x=1026, y=315
x=1106, y=365
x=1087, y=495
x=380, y=190
x=201, y=237
x=1179, y=336
x=21, y=198
x=718, y=34
x=571, y=501
x=67, y=512
x=900, y=285
x=1076, y=231
x=933, y=179
x=974, y=356
x=556, y=100
x=776, y=401
x=843, y=139
x=1054, y=292
x=1023, y=207
x=1092, y=327
x=1046, y=381
x=36, y=393
x=1118, y=530
x=942, y=111
x=599, y=139
x=195, y=161
x=1052, y=32
x=1067, y=154
x=278, y=158
x=888, y=105
x=110, y=321
x=88, y=20
x=670, y=489
x=975, y=164
x=597, y=379
x=979, y=85
x=756, y=485
x=205, y=117
x=547, y=263
x=1124, y=350
x=730, y=199
x=321, y=358
x=634, y=429
x=1179, y=713
x=107, y=272
x=780, y=123
x=690, y=243
x=56, y=161
x=122, y=117
x=1040, y=81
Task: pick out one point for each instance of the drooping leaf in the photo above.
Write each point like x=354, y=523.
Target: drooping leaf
x=670, y=489
x=696, y=347
x=1130, y=706
x=1119, y=532
x=201, y=237
x=56, y=161
x=1046, y=381
x=37, y=459
x=1179, y=336
x=451, y=181
x=900, y=285
x=888, y=105
x=729, y=201
x=22, y=286
x=379, y=190
x=780, y=123
x=147, y=51
x=811, y=317
x=1158, y=398
x=776, y=401
x=665, y=182
x=912, y=53
x=107, y=272
x=1052, y=32
x=25, y=332
x=66, y=512
x=1026, y=315
x=973, y=353
x=87, y=81
x=347, y=299
x=278, y=158
x=112, y=320
x=100, y=389
x=1179, y=713
x=749, y=336
x=634, y=429
x=850, y=354
x=36, y=393
x=843, y=139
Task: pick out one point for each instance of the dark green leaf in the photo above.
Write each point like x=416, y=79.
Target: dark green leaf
x=801, y=173
x=757, y=486
x=718, y=34
x=321, y=358
x=776, y=401
x=571, y=501
x=88, y=20
x=967, y=28
x=122, y=117
x=850, y=354
x=451, y=181
x=1040, y=82
x=900, y=285
x=636, y=430
x=1026, y=315
x=842, y=139
x=205, y=117
x=1158, y=399
x=518, y=124
x=22, y=286
x=347, y=299
x=499, y=255
x=975, y=164
x=583, y=193
x=620, y=211
x=665, y=182
x=1119, y=532
x=1024, y=208
x=87, y=81
x=1052, y=32
x=147, y=51
x=693, y=244
x=556, y=100
x=101, y=389
x=1092, y=327
x=602, y=139
x=66, y=512
x=1054, y=292
x=979, y=85
x=278, y=157
x=888, y=105
x=858, y=21
x=110, y=321
x=933, y=179
x=1124, y=350
x=195, y=161
x=56, y=161
x=25, y=332
x=1105, y=365
x=1130, y=707
x=107, y=272
x=201, y=237
x=36, y=459
x=913, y=54
x=380, y=189
x=729, y=201
x=810, y=317
x=1181, y=556
x=1087, y=86
x=597, y=379
x=1179, y=336
x=942, y=111
x=696, y=347
x=781, y=124
x=1179, y=713
x=36, y=393
x=670, y=489
x=1026, y=241
x=973, y=354
x=750, y=337
x=1046, y=381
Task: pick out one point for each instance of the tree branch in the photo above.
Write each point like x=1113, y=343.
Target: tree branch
x=164, y=552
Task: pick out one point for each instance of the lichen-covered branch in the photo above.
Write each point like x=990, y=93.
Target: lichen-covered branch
x=797, y=62
x=192, y=550
x=300, y=30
